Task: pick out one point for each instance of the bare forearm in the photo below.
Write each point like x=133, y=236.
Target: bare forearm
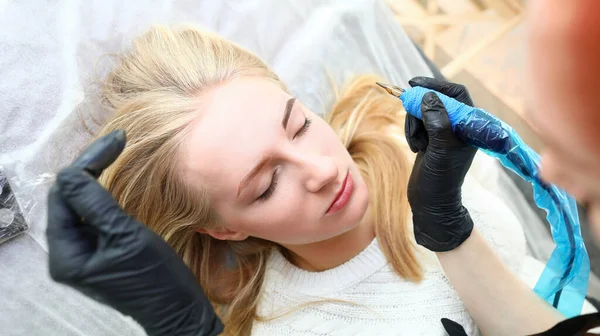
x=497, y=300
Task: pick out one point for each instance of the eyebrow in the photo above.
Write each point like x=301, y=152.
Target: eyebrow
x=264, y=161
x=287, y=112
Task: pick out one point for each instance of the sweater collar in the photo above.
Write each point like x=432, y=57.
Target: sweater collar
x=350, y=273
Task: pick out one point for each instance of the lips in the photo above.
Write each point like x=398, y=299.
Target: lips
x=343, y=195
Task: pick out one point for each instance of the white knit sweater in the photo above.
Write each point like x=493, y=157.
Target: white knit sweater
x=371, y=298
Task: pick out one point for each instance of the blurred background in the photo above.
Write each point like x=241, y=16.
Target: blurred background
x=479, y=43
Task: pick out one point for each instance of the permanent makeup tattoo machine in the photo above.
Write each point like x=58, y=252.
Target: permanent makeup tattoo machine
x=564, y=281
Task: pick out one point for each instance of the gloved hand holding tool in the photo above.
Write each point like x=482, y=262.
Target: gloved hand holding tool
x=441, y=222
x=443, y=225
x=564, y=281
x=96, y=248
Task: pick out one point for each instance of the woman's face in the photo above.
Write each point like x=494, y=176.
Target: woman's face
x=271, y=167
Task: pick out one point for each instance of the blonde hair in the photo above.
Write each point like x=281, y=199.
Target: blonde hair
x=151, y=93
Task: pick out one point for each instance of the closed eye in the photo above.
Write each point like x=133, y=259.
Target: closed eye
x=271, y=189
x=267, y=193
x=304, y=128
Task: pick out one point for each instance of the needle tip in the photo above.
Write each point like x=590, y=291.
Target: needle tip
x=391, y=89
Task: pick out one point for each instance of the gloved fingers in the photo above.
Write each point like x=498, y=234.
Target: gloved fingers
x=78, y=186
x=452, y=90
x=435, y=118
x=60, y=216
x=415, y=133
x=70, y=245
x=101, y=153
x=91, y=201
x=453, y=328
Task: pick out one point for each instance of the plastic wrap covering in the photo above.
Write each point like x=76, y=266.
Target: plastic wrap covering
x=51, y=61
x=564, y=281
x=12, y=222
x=56, y=58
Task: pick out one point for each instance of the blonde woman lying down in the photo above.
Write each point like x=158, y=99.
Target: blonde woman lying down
x=295, y=224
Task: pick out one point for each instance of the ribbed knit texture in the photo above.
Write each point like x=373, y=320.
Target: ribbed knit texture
x=376, y=301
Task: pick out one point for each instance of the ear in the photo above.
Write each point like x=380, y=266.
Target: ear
x=224, y=234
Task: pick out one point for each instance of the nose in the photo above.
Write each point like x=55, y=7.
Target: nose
x=319, y=171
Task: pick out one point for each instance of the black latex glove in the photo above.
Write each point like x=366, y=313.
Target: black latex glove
x=96, y=248
x=576, y=326
x=441, y=223
x=453, y=328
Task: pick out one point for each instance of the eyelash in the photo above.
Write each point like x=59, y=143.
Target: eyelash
x=271, y=188
x=265, y=195
x=304, y=128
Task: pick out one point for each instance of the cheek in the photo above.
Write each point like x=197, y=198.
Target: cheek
x=326, y=140
x=278, y=219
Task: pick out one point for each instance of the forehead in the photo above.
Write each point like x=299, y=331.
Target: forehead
x=237, y=122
